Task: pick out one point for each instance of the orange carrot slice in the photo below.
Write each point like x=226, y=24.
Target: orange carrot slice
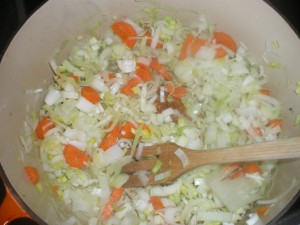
x=126, y=131
x=220, y=53
x=111, y=76
x=44, y=125
x=149, y=40
x=32, y=174
x=185, y=46
x=74, y=157
x=275, y=122
x=226, y=40
x=111, y=138
x=252, y=167
x=115, y=196
x=265, y=92
x=156, y=203
x=160, y=69
x=144, y=74
x=258, y=131
x=90, y=94
x=237, y=174
x=126, y=32
x=262, y=210
x=127, y=88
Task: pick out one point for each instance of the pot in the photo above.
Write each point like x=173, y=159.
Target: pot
x=25, y=67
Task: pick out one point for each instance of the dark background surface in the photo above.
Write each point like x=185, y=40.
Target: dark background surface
x=13, y=13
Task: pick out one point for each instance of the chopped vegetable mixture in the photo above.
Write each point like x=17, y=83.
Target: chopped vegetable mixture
x=146, y=81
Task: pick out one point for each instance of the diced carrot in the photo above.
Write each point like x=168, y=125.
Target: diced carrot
x=220, y=53
x=262, y=210
x=179, y=92
x=111, y=76
x=237, y=174
x=126, y=32
x=113, y=199
x=44, y=125
x=126, y=131
x=55, y=189
x=226, y=40
x=74, y=77
x=160, y=69
x=196, y=45
x=170, y=86
x=74, y=157
x=32, y=174
x=90, y=94
x=275, y=122
x=127, y=88
x=156, y=203
x=265, y=92
x=176, y=92
x=107, y=211
x=149, y=40
x=141, y=65
x=110, y=139
x=116, y=194
x=143, y=62
x=252, y=167
x=230, y=169
x=144, y=74
x=115, y=131
x=185, y=46
x=258, y=131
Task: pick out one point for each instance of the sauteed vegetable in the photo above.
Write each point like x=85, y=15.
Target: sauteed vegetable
x=147, y=80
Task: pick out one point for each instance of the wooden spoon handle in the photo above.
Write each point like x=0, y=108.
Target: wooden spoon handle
x=280, y=149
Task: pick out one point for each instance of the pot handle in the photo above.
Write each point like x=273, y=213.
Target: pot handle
x=10, y=208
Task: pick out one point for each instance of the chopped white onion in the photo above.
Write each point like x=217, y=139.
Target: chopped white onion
x=93, y=221
x=127, y=65
x=104, y=185
x=70, y=221
x=170, y=215
x=53, y=65
x=206, y=53
x=52, y=96
x=162, y=176
x=155, y=39
x=139, y=151
x=144, y=61
x=96, y=192
x=182, y=156
x=162, y=94
x=99, y=85
x=112, y=154
x=248, y=80
x=84, y=105
x=137, y=28
x=254, y=220
x=142, y=176
x=166, y=190
x=126, y=208
x=167, y=202
x=115, y=88
x=70, y=94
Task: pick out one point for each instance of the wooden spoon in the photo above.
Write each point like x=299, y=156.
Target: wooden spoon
x=172, y=165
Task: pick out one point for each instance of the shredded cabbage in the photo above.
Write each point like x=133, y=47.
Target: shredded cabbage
x=223, y=106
